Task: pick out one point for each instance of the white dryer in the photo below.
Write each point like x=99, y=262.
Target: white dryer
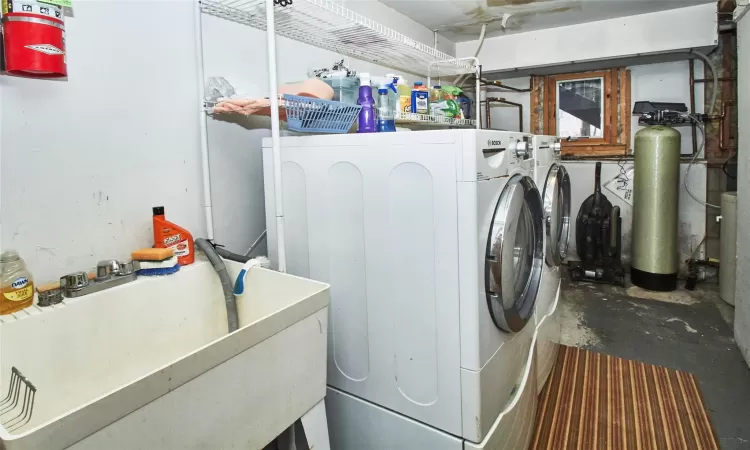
x=433, y=245
x=552, y=178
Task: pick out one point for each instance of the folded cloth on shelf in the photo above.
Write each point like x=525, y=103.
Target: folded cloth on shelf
x=262, y=107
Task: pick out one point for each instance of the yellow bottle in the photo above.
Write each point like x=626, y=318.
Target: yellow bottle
x=404, y=94
x=16, y=284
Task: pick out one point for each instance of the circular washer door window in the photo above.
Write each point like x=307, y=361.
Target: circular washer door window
x=514, y=254
x=556, y=214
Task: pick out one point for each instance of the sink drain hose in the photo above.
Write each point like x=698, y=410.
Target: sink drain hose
x=230, y=300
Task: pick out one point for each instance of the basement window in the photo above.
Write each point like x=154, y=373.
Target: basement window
x=589, y=110
x=580, y=108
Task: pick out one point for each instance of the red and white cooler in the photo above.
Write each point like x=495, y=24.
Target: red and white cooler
x=33, y=39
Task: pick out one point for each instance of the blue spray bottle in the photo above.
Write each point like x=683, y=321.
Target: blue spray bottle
x=386, y=113
x=367, y=114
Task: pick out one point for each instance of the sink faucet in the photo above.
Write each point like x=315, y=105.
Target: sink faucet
x=109, y=273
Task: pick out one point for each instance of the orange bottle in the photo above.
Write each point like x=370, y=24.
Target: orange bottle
x=169, y=235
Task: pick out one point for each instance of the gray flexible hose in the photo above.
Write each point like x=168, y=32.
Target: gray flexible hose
x=226, y=254
x=233, y=321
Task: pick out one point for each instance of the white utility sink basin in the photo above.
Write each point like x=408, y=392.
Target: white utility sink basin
x=149, y=365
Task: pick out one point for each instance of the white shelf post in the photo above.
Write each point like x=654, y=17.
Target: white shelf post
x=275, y=134
x=205, y=166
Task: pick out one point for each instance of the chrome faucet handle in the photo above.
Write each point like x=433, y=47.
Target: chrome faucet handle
x=106, y=268
x=126, y=268
x=109, y=273
x=74, y=281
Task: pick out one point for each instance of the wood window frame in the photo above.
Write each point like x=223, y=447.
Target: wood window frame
x=616, y=115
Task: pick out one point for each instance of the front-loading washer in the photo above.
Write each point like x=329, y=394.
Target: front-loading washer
x=554, y=182
x=432, y=242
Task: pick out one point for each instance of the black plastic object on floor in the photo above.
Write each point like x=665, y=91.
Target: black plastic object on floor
x=598, y=239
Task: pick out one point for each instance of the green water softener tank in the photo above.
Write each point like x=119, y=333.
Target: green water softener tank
x=654, y=259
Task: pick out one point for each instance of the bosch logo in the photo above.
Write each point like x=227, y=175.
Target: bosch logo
x=490, y=142
x=19, y=283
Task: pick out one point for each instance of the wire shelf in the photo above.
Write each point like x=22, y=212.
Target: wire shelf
x=330, y=26
x=428, y=120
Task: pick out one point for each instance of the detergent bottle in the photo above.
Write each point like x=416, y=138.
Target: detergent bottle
x=420, y=99
x=451, y=94
x=464, y=103
x=367, y=113
x=170, y=235
x=436, y=96
x=404, y=95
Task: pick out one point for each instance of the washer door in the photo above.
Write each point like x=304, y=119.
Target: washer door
x=556, y=214
x=513, y=258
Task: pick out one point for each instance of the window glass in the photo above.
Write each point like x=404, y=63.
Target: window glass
x=523, y=252
x=580, y=108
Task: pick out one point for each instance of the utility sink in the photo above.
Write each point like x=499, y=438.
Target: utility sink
x=150, y=365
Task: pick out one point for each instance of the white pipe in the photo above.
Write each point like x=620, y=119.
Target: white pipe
x=205, y=166
x=275, y=134
x=460, y=78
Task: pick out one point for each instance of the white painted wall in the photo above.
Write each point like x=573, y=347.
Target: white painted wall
x=660, y=32
x=83, y=160
x=742, y=294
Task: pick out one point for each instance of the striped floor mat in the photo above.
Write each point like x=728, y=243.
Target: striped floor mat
x=597, y=401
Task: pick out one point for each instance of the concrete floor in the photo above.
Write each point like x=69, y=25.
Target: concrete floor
x=689, y=331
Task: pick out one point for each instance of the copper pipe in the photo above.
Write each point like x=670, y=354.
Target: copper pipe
x=498, y=84
x=691, y=67
x=723, y=124
x=710, y=80
x=487, y=110
x=722, y=119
